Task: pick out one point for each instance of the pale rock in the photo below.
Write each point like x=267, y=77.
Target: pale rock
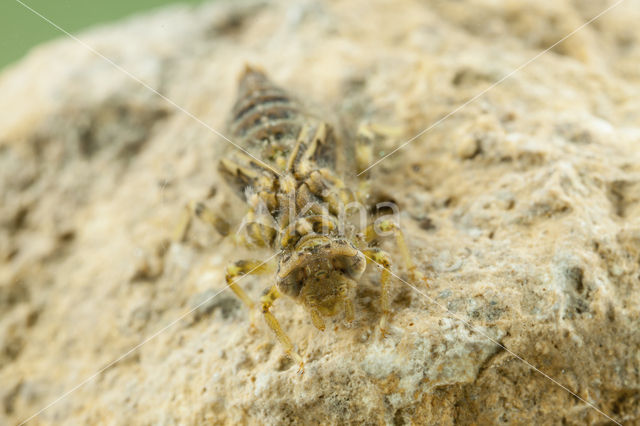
x=522, y=207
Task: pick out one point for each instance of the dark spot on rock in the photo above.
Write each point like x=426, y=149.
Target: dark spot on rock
x=32, y=318
x=231, y=22
x=119, y=126
x=398, y=418
x=9, y=399
x=403, y=298
x=13, y=252
x=67, y=236
x=623, y=194
x=382, y=204
x=576, y=276
x=19, y=219
x=468, y=76
x=13, y=294
x=426, y=223
x=477, y=149
x=450, y=202
x=581, y=306
x=508, y=117
x=11, y=346
x=625, y=402
x=207, y=302
x=611, y=313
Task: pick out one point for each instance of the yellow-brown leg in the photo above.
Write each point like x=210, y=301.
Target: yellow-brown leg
x=244, y=267
x=316, y=319
x=304, y=143
x=256, y=231
x=368, y=139
x=381, y=258
x=204, y=213
x=324, y=184
x=267, y=302
x=348, y=310
x=371, y=234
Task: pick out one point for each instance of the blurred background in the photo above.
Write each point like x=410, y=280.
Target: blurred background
x=21, y=29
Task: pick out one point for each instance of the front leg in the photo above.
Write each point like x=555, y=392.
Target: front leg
x=246, y=267
x=267, y=302
x=389, y=225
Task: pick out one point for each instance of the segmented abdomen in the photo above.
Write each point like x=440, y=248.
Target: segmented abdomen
x=276, y=136
x=265, y=119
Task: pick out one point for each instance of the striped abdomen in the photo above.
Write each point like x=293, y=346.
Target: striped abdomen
x=276, y=136
x=265, y=119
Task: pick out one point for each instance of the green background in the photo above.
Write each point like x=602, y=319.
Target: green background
x=21, y=29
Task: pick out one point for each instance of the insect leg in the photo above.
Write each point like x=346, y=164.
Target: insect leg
x=267, y=302
x=331, y=189
x=348, y=310
x=257, y=232
x=316, y=319
x=310, y=140
x=240, y=268
x=303, y=138
x=204, y=213
x=381, y=258
x=366, y=137
x=389, y=225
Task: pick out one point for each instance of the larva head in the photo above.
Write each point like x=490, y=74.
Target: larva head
x=321, y=273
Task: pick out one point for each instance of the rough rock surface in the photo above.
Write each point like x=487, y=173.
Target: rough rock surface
x=523, y=208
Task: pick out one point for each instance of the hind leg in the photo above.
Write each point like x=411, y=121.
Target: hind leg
x=368, y=140
x=204, y=213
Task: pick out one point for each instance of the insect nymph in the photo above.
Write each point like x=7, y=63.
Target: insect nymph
x=287, y=175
